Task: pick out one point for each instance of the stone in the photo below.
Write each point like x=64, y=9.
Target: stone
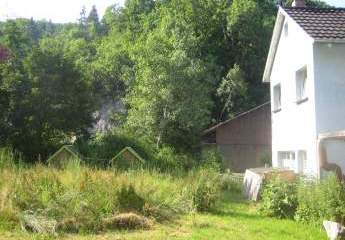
x=334, y=230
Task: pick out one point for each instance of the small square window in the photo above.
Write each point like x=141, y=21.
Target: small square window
x=301, y=84
x=277, y=97
x=286, y=159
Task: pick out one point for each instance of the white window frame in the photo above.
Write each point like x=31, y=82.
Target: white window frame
x=287, y=159
x=301, y=85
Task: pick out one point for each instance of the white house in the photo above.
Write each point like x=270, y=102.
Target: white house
x=306, y=72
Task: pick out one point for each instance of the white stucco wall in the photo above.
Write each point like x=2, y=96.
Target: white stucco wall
x=329, y=61
x=294, y=127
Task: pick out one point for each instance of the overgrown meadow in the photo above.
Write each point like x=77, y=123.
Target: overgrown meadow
x=80, y=199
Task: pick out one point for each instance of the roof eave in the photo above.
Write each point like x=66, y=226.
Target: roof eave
x=330, y=40
x=274, y=45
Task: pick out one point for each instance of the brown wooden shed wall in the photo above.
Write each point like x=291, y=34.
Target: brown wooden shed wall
x=246, y=140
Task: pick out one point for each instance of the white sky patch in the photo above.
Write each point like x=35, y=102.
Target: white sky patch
x=60, y=11
x=337, y=3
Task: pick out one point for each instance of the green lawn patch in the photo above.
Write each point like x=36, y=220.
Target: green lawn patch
x=234, y=218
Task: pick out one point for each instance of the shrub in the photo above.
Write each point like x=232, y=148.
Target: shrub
x=168, y=160
x=324, y=200
x=211, y=158
x=206, y=189
x=279, y=198
x=129, y=200
x=231, y=182
x=8, y=158
x=103, y=147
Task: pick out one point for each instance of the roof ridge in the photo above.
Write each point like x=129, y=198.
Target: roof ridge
x=314, y=8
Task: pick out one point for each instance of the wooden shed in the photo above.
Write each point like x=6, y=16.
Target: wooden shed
x=127, y=158
x=244, y=141
x=63, y=156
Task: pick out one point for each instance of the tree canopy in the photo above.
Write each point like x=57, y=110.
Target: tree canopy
x=176, y=67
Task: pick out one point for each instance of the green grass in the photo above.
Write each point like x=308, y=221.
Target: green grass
x=235, y=219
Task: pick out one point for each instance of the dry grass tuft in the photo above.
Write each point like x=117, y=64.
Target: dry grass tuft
x=128, y=221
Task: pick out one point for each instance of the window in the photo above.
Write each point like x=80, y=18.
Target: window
x=277, y=98
x=301, y=82
x=302, y=161
x=286, y=159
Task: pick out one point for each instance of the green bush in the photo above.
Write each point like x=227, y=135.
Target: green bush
x=206, y=189
x=129, y=200
x=228, y=183
x=279, y=198
x=324, y=200
x=9, y=158
x=168, y=160
x=211, y=158
x=103, y=147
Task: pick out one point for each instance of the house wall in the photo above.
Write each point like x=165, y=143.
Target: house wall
x=294, y=127
x=329, y=61
x=246, y=140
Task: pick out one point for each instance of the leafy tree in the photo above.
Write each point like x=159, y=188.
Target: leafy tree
x=170, y=98
x=232, y=91
x=56, y=106
x=93, y=23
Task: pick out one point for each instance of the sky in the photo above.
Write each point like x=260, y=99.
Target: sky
x=59, y=11
x=62, y=11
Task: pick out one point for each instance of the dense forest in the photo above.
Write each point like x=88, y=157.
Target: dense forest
x=168, y=69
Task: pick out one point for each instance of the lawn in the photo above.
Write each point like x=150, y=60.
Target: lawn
x=235, y=219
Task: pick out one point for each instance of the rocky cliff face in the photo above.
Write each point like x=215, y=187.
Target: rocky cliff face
x=105, y=116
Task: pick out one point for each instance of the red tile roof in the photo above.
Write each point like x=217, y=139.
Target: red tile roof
x=320, y=23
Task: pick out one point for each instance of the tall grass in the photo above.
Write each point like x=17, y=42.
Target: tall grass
x=82, y=199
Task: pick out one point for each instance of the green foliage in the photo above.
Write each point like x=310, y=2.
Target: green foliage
x=7, y=158
x=211, y=158
x=206, y=189
x=178, y=66
x=231, y=182
x=129, y=200
x=232, y=91
x=279, y=198
x=319, y=201
x=170, y=107
x=103, y=147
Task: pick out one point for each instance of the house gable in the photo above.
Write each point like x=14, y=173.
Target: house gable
x=319, y=24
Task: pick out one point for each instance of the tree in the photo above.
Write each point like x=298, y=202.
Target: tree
x=170, y=99
x=93, y=24
x=57, y=106
x=83, y=28
x=232, y=92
